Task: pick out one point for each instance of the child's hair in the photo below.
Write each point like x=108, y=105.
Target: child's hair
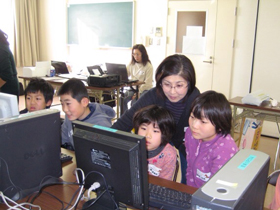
x=216, y=108
x=37, y=84
x=75, y=88
x=156, y=115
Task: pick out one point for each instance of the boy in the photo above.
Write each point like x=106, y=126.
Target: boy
x=76, y=106
x=38, y=95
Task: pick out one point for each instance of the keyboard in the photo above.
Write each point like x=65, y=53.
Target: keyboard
x=65, y=158
x=167, y=198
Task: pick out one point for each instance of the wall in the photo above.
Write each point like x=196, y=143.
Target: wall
x=244, y=47
x=266, y=74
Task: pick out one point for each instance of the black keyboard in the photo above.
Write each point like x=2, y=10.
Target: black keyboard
x=166, y=198
x=65, y=158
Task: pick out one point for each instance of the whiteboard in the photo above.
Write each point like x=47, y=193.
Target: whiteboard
x=101, y=24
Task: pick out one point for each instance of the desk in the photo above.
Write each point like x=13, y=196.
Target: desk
x=265, y=111
x=65, y=192
x=96, y=92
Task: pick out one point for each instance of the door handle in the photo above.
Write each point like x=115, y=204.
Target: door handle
x=209, y=61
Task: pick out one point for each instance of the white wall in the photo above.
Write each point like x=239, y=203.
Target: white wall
x=225, y=27
x=244, y=46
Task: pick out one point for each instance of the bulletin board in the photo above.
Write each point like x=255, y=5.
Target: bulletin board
x=104, y=24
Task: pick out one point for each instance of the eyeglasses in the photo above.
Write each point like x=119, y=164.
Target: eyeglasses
x=179, y=87
x=136, y=54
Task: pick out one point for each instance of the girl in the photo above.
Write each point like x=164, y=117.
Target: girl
x=157, y=125
x=208, y=142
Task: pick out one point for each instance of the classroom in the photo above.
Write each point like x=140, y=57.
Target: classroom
x=244, y=37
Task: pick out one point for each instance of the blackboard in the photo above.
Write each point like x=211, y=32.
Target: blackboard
x=107, y=24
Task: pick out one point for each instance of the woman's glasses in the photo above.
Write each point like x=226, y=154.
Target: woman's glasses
x=179, y=87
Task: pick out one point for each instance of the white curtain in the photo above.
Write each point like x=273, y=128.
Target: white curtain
x=26, y=48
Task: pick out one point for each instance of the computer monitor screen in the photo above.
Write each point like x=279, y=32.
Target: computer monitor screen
x=29, y=152
x=8, y=105
x=119, y=157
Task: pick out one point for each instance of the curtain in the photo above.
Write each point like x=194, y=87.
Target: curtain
x=26, y=48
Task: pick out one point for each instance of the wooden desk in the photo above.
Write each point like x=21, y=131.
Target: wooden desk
x=96, y=92
x=65, y=192
x=265, y=111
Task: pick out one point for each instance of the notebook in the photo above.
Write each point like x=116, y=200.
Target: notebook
x=95, y=70
x=120, y=69
x=60, y=67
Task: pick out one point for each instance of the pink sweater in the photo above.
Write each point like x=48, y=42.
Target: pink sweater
x=163, y=165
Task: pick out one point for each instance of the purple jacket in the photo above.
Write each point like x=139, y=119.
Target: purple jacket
x=204, y=159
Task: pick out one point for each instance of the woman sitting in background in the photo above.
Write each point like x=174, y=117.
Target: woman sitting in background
x=140, y=68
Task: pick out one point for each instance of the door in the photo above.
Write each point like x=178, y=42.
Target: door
x=194, y=23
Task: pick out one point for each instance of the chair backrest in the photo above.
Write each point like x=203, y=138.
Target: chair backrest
x=177, y=177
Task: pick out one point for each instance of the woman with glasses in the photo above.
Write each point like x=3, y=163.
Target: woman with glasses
x=175, y=90
x=139, y=68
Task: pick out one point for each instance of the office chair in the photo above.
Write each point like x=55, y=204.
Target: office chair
x=272, y=178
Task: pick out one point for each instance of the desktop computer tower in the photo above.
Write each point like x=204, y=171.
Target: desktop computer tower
x=239, y=185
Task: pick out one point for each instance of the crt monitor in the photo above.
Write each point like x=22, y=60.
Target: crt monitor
x=29, y=152
x=8, y=105
x=119, y=157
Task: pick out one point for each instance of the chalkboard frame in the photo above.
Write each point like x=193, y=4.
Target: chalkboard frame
x=108, y=24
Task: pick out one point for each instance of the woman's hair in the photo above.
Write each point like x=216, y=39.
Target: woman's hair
x=75, y=88
x=175, y=65
x=156, y=115
x=142, y=49
x=216, y=108
x=3, y=38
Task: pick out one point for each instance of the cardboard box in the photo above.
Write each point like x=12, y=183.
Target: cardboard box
x=251, y=133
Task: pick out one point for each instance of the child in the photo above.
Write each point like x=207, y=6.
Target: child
x=38, y=95
x=208, y=142
x=158, y=126
x=76, y=105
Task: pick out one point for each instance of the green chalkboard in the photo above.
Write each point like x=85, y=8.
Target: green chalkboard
x=103, y=24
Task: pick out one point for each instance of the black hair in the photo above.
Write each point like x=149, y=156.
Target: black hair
x=176, y=65
x=145, y=56
x=156, y=115
x=37, y=84
x=75, y=88
x=216, y=108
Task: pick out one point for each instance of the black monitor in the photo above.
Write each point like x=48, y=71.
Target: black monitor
x=119, y=157
x=29, y=152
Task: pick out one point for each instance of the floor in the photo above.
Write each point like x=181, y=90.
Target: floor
x=267, y=145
